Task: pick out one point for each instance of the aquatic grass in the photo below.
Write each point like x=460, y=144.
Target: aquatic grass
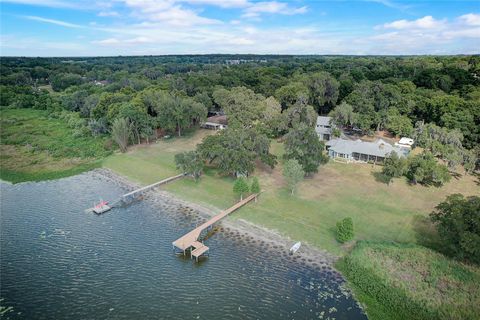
x=35, y=146
x=405, y=281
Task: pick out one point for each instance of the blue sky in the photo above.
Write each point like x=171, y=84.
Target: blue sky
x=144, y=27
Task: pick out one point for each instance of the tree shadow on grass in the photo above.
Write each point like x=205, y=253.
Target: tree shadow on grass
x=425, y=233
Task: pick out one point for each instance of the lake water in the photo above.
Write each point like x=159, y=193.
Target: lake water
x=59, y=262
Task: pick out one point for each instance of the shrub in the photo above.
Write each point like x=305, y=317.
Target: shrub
x=240, y=187
x=255, y=188
x=345, y=230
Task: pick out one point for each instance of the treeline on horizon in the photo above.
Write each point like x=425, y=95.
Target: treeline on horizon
x=384, y=93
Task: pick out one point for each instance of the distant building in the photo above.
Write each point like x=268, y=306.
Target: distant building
x=362, y=151
x=324, y=128
x=218, y=122
x=100, y=83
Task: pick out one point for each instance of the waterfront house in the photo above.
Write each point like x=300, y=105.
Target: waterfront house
x=361, y=151
x=324, y=128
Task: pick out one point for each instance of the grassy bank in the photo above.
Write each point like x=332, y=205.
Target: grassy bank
x=379, y=212
x=35, y=146
x=411, y=282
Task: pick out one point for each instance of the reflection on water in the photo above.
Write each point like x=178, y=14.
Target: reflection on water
x=58, y=262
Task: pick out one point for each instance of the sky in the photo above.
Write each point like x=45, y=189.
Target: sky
x=156, y=27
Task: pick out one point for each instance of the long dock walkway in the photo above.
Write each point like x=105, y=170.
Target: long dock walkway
x=132, y=194
x=190, y=240
x=151, y=186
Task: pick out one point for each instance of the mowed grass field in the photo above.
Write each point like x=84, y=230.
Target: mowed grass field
x=380, y=212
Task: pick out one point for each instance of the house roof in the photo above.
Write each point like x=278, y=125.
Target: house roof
x=379, y=148
x=323, y=121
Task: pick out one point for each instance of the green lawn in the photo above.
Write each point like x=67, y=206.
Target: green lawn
x=35, y=146
x=379, y=212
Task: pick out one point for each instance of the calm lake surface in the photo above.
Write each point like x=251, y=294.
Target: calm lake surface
x=59, y=262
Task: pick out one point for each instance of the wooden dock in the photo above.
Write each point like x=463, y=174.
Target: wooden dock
x=151, y=186
x=132, y=194
x=190, y=240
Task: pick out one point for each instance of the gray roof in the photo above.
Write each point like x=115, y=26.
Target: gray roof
x=378, y=148
x=323, y=121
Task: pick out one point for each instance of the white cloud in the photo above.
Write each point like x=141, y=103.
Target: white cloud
x=427, y=22
x=220, y=3
x=108, y=14
x=52, y=21
x=272, y=7
x=426, y=35
x=167, y=11
x=470, y=19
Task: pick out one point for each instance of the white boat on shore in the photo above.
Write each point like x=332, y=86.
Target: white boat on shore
x=295, y=247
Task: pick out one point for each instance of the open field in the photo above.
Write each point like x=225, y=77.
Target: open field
x=411, y=282
x=379, y=212
x=36, y=147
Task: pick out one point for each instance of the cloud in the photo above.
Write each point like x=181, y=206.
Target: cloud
x=470, y=19
x=167, y=11
x=426, y=35
x=427, y=22
x=52, y=21
x=125, y=42
x=220, y=3
x=108, y=14
x=272, y=7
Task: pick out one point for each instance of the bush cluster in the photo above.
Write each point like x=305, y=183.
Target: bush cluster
x=345, y=230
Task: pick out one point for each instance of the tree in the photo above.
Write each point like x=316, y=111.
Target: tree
x=255, y=188
x=394, y=166
x=458, y=223
x=289, y=94
x=323, y=90
x=300, y=113
x=240, y=187
x=343, y=115
x=293, y=174
x=61, y=81
x=234, y=150
x=423, y=168
x=121, y=132
x=174, y=112
x=398, y=124
x=190, y=163
x=345, y=230
x=242, y=106
x=302, y=144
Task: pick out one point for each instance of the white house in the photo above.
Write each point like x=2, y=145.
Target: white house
x=361, y=151
x=324, y=128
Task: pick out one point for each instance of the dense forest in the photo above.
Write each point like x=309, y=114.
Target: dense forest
x=431, y=98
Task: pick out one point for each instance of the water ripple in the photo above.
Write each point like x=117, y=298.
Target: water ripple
x=58, y=262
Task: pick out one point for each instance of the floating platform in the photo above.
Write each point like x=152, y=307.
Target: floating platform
x=101, y=208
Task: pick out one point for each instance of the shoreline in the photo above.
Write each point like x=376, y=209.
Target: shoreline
x=307, y=254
